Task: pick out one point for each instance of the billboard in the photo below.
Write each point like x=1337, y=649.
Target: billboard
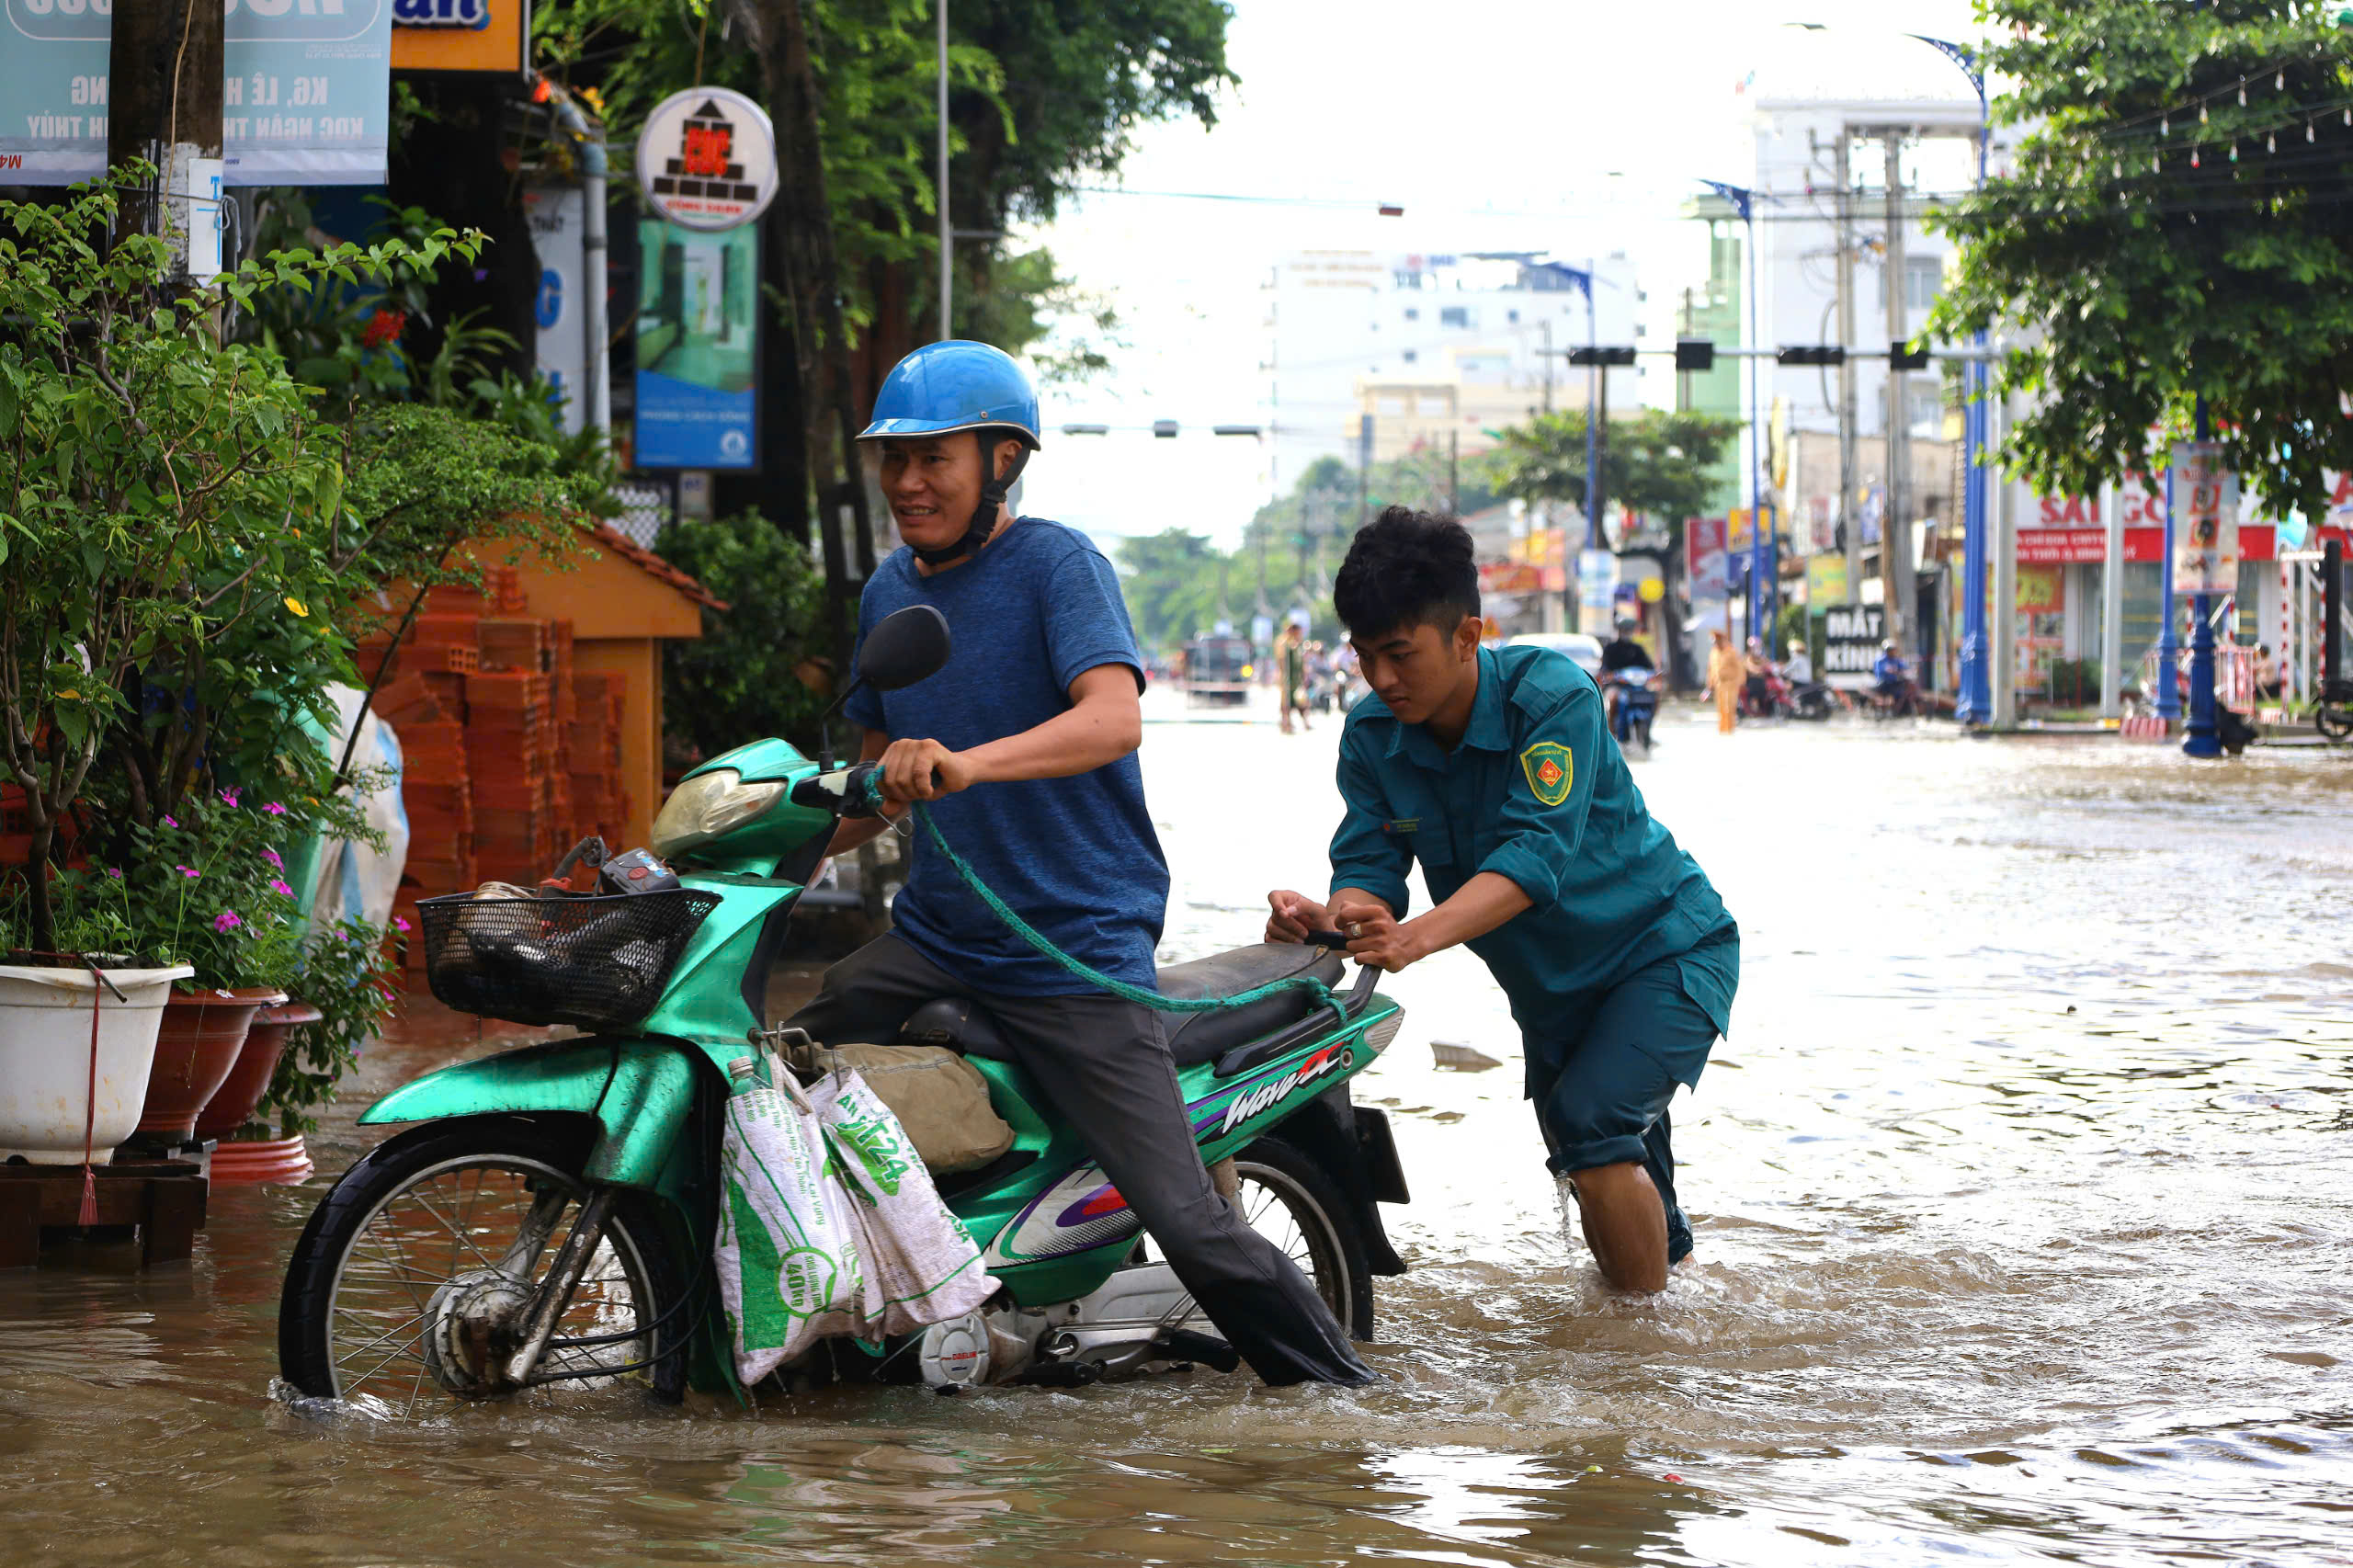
x=697, y=333
x=1707, y=560
x=558, y=219
x=460, y=35
x=1850, y=638
x=305, y=91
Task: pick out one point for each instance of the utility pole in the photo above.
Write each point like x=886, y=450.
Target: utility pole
x=1454, y=470
x=1850, y=525
x=1545, y=323
x=1895, y=528
x=166, y=84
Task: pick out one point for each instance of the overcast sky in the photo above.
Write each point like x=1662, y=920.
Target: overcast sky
x=1561, y=125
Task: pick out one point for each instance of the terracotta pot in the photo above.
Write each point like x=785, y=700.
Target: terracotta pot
x=203, y=1032
x=249, y=1163
x=234, y=1103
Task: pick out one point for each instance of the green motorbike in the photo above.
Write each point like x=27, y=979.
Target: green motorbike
x=546, y=1226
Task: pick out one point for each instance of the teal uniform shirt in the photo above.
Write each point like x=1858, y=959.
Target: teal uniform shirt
x=1538, y=793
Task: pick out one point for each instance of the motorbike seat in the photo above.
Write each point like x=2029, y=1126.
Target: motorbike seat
x=965, y=1026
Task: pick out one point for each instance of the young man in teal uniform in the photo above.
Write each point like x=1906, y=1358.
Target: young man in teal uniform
x=1495, y=769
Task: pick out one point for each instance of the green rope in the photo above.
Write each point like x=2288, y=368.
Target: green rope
x=1319, y=992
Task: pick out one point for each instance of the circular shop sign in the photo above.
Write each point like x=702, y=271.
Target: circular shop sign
x=706, y=159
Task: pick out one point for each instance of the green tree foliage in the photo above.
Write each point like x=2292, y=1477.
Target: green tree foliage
x=1174, y=583
x=759, y=669
x=1044, y=97
x=180, y=529
x=2176, y=226
x=1656, y=464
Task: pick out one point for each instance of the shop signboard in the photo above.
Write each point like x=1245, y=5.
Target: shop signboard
x=1597, y=575
x=305, y=91
x=458, y=35
x=557, y=217
x=2043, y=590
x=1850, y=638
x=1707, y=559
x=2206, y=520
x=706, y=159
x=697, y=333
x=1825, y=581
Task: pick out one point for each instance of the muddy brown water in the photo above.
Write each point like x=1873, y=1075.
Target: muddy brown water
x=2023, y=1191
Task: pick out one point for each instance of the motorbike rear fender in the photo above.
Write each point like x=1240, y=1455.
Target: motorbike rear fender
x=1353, y=1145
x=639, y=1091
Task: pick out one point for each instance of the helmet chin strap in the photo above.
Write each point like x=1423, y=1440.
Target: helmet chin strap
x=983, y=523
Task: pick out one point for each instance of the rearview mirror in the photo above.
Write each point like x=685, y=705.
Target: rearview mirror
x=906, y=646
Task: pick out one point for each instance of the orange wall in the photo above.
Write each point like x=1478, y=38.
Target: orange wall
x=639, y=661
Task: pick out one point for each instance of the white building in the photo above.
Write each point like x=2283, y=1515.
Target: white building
x=1430, y=345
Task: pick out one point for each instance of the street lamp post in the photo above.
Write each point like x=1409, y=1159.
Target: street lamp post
x=946, y=234
x=1764, y=566
x=1973, y=703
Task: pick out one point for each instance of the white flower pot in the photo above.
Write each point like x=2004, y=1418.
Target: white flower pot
x=45, y=1073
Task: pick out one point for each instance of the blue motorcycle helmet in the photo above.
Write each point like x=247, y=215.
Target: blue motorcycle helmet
x=956, y=385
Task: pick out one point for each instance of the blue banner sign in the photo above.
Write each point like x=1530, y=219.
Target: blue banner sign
x=698, y=332
x=305, y=91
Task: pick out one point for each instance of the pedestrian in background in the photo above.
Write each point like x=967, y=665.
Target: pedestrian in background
x=1726, y=672
x=1291, y=651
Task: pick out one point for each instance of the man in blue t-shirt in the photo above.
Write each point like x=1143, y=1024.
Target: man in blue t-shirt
x=1023, y=746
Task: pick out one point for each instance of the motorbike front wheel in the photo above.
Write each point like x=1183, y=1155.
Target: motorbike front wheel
x=2334, y=721
x=415, y=1269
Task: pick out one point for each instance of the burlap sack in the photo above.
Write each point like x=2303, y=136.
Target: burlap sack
x=939, y=1098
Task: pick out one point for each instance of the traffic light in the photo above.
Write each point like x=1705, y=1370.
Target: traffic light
x=1907, y=357
x=1603, y=355
x=1695, y=354
x=1809, y=353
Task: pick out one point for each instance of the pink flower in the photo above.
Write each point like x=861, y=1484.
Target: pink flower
x=187, y=872
x=279, y=888
x=228, y=797
x=271, y=856
x=226, y=921
x=399, y=924
x=274, y=809
x=171, y=822
x=115, y=872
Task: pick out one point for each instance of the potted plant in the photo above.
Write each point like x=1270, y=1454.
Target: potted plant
x=345, y=985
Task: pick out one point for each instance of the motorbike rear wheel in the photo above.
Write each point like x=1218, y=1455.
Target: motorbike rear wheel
x=2334, y=721
x=424, y=1223
x=1288, y=1198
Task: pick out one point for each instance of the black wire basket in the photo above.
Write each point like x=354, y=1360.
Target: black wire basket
x=595, y=961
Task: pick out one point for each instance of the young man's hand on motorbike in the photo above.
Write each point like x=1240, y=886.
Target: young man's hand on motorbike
x=925, y=770
x=1295, y=915
x=1375, y=936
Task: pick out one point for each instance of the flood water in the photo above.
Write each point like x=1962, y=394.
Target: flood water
x=2023, y=1193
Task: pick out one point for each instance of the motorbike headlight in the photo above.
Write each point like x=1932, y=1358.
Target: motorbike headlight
x=708, y=806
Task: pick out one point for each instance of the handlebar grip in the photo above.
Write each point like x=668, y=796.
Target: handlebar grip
x=1336, y=940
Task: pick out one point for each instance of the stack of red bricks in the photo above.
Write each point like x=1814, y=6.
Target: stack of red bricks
x=594, y=755
x=509, y=757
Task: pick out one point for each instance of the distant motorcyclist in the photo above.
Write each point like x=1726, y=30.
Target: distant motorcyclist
x=1040, y=704
x=1892, y=672
x=1619, y=659
x=1757, y=679
x=1623, y=652
x=1798, y=666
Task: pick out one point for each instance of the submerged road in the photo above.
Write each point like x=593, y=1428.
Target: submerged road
x=2023, y=1193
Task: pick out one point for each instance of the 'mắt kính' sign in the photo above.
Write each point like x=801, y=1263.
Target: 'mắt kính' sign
x=305, y=91
x=1850, y=638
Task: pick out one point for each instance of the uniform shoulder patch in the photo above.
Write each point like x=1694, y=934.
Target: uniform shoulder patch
x=1551, y=771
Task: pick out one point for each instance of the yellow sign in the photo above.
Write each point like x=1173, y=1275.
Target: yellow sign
x=1825, y=581
x=1551, y=771
x=2043, y=590
x=460, y=35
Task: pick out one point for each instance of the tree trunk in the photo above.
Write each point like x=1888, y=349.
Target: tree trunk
x=43, y=918
x=166, y=85
x=803, y=222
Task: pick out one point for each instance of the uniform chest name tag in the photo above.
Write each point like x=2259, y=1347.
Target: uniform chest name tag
x=1403, y=824
x=1551, y=771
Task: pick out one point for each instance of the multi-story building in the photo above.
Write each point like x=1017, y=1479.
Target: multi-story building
x=1435, y=348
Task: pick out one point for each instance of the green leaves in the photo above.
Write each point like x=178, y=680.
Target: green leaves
x=2160, y=239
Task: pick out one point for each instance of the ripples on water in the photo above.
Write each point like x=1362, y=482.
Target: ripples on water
x=2021, y=1194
